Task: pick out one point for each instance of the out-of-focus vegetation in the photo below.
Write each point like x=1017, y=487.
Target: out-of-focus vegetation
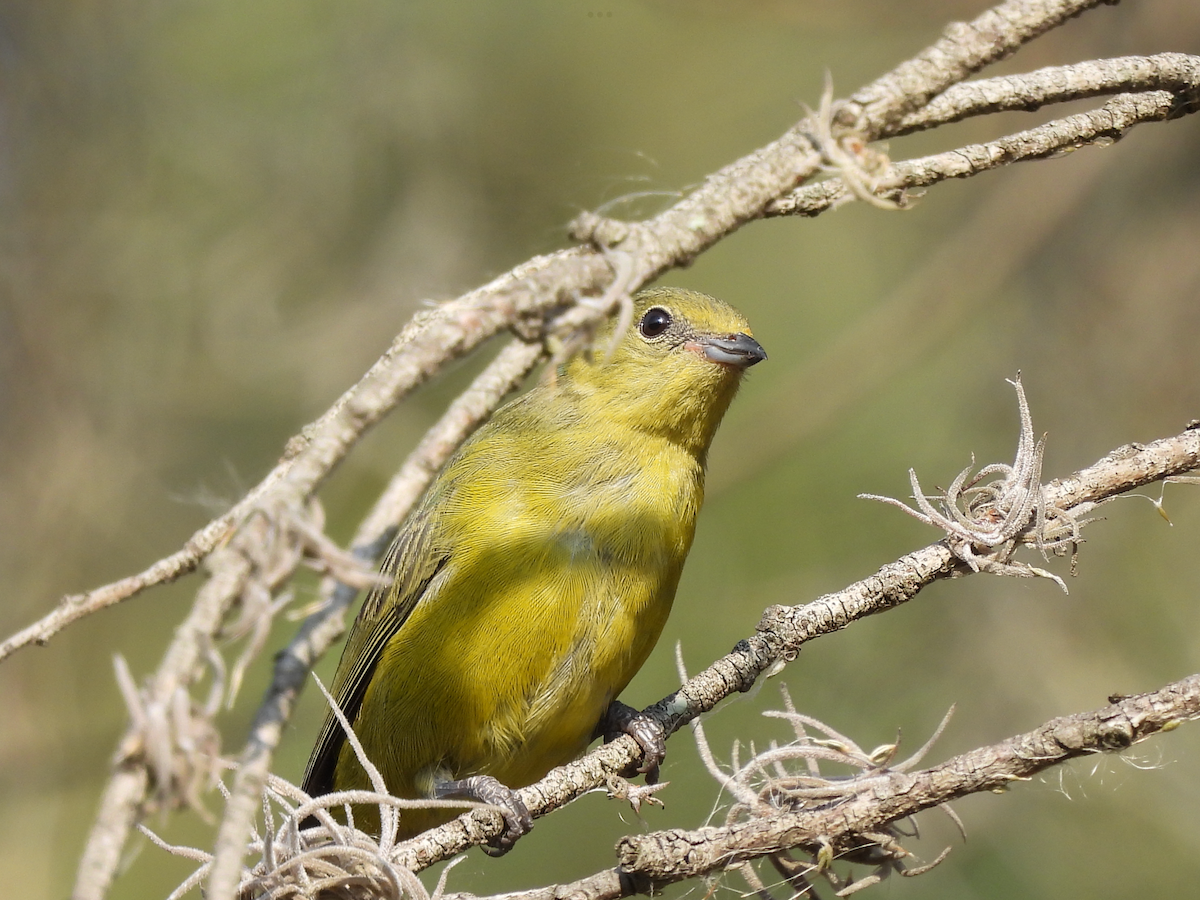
x=215, y=215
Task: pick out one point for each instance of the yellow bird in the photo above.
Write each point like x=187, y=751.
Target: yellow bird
x=534, y=577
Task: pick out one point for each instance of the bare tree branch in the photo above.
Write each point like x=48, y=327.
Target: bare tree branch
x=646, y=863
x=464, y=415
x=1175, y=73
x=1102, y=127
x=125, y=798
x=877, y=799
x=965, y=49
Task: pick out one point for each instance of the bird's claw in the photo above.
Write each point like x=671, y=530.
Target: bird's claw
x=486, y=789
x=621, y=719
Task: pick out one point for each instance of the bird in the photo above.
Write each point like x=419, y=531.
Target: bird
x=533, y=578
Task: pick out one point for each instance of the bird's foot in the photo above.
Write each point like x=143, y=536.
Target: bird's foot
x=487, y=789
x=620, y=719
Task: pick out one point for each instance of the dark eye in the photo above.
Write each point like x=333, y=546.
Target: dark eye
x=654, y=322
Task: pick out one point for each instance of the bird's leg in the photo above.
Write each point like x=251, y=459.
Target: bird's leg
x=620, y=719
x=487, y=789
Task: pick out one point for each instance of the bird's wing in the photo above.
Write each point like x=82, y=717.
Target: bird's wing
x=412, y=562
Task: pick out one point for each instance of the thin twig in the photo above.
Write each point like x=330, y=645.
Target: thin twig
x=674, y=855
x=1177, y=73
x=472, y=407
x=1100, y=127
x=123, y=799
x=966, y=48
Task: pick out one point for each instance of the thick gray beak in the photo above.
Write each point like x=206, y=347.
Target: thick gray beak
x=738, y=350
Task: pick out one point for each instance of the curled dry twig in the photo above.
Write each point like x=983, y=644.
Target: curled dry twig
x=304, y=852
x=985, y=522
x=788, y=778
x=291, y=535
x=175, y=736
x=865, y=170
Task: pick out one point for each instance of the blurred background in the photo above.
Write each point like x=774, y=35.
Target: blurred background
x=214, y=216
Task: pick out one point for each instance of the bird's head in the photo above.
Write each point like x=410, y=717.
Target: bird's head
x=675, y=369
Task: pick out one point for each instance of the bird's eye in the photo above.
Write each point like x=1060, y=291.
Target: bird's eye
x=654, y=322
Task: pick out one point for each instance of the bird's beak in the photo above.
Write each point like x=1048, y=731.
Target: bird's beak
x=737, y=350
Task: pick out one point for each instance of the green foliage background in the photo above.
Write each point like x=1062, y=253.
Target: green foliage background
x=214, y=215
